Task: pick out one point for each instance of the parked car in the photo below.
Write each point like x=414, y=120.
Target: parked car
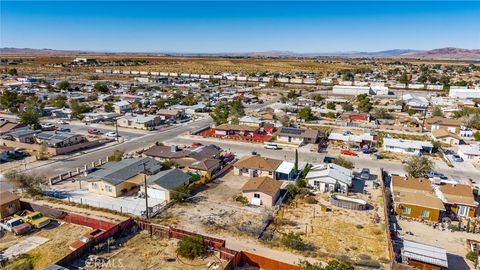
x=47, y=127
x=348, y=153
x=85, y=239
x=112, y=134
x=457, y=158
x=36, y=219
x=328, y=159
x=434, y=174
x=62, y=122
x=93, y=131
x=196, y=144
x=365, y=174
x=15, y=225
x=271, y=146
x=63, y=129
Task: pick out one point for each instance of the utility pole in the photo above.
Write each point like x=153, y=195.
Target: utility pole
x=116, y=129
x=145, y=185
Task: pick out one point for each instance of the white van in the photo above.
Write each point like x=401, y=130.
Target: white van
x=270, y=145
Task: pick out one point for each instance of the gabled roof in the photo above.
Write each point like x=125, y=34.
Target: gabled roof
x=298, y=133
x=458, y=194
x=415, y=191
x=259, y=163
x=169, y=179
x=438, y=120
x=262, y=184
x=323, y=172
x=442, y=133
x=236, y=127
x=117, y=172
x=425, y=253
x=401, y=143
x=7, y=197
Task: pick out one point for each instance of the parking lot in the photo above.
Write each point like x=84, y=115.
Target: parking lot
x=40, y=248
x=213, y=210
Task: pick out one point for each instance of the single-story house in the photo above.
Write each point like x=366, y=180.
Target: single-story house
x=330, y=178
x=297, y=136
x=444, y=136
x=62, y=113
x=230, y=129
x=470, y=152
x=9, y=204
x=122, y=106
x=256, y=166
x=250, y=121
x=423, y=256
x=438, y=122
x=459, y=200
x=415, y=198
x=262, y=191
x=118, y=178
x=347, y=137
x=7, y=126
x=23, y=135
x=160, y=185
x=59, y=140
x=171, y=114
x=407, y=146
x=355, y=117
x=147, y=122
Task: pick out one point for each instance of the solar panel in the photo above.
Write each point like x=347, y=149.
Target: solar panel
x=292, y=131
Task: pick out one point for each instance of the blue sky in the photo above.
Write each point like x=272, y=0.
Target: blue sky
x=209, y=27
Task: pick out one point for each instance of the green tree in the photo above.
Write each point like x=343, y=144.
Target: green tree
x=419, y=166
x=331, y=105
x=63, y=85
x=58, y=101
x=283, y=99
x=348, y=76
x=191, y=247
x=437, y=111
x=404, y=78
x=108, y=107
x=30, y=115
x=292, y=94
x=348, y=107
x=381, y=113
x=117, y=155
x=78, y=108
x=292, y=191
x=318, y=98
x=341, y=161
x=296, y=161
x=220, y=113
x=476, y=136
x=13, y=72
x=31, y=184
x=101, y=87
x=364, y=105
x=189, y=100
x=305, y=113
x=10, y=100
x=180, y=193
x=331, y=115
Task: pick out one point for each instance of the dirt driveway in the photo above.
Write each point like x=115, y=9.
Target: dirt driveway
x=215, y=211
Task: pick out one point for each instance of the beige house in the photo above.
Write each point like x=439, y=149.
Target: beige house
x=444, y=136
x=256, y=166
x=147, y=122
x=9, y=204
x=115, y=179
x=262, y=191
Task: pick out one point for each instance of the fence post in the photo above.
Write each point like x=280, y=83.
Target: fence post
x=93, y=164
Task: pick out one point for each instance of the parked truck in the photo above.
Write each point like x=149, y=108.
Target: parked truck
x=36, y=219
x=15, y=225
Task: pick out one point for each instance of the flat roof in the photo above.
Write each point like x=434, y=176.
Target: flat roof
x=425, y=253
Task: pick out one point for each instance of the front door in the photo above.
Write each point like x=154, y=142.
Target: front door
x=463, y=210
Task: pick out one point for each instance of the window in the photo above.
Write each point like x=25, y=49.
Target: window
x=463, y=210
x=425, y=214
x=108, y=188
x=406, y=210
x=270, y=173
x=94, y=186
x=256, y=195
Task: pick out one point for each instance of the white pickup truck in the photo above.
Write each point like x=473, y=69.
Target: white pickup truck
x=15, y=225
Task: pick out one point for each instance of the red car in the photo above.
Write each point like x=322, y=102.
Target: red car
x=348, y=153
x=93, y=131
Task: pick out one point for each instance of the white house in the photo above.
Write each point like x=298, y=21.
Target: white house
x=330, y=177
x=122, y=106
x=470, y=152
x=415, y=101
x=463, y=92
x=407, y=146
x=350, y=90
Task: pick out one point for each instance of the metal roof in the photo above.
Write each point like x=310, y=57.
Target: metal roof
x=425, y=253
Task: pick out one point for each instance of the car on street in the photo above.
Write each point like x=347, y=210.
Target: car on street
x=457, y=158
x=47, y=127
x=434, y=174
x=63, y=129
x=365, y=174
x=85, y=239
x=271, y=146
x=93, y=131
x=348, y=153
x=112, y=134
x=62, y=122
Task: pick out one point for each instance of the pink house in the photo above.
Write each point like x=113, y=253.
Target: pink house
x=262, y=191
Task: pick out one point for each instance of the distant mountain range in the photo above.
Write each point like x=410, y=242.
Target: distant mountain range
x=442, y=53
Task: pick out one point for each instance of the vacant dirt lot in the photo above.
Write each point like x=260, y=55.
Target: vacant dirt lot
x=215, y=211
x=144, y=252
x=337, y=233
x=60, y=235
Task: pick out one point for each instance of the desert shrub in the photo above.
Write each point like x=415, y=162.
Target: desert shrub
x=359, y=226
x=332, y=265
x=368, y=263
x=191, y=247
x=471, y=256
x=116, y=156
x=242, y=199
x=311, y=200
x=294, y=241
x=22, y=262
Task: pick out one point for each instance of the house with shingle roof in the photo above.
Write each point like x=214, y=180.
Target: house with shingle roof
x=458, y=199
x=162, y=184
x=262, y=191
x=444, y=136
x=329, y=177
x=415, y=198
x=256, y=166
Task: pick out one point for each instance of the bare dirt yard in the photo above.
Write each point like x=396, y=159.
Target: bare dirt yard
x=59, y=235
x=454, y=242
x=214, y=211
x=143, y=252
x=336, y=233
